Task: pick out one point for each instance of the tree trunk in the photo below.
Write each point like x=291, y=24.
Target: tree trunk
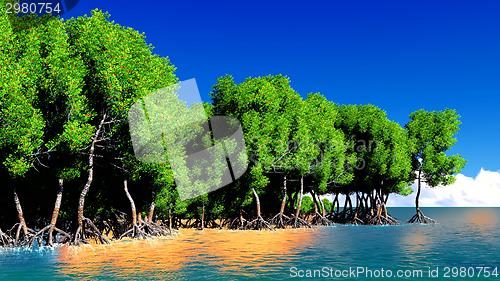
x=85, y=190
x=242, y=219
x=283, y=201
x=55, y=213
x=315, y=202
x=335, y=203
x=152, y=209
x=203, y=217
x=370, y=200
x=419, y=216
x=346, y=202
x=139, y=218
x=299, y=203
x=83, y=194
x=20, y=216
x=386, y=198
x=374, y=198
x=169, y=219
x=417, y=198
x=132, y=204
x=257, y=202
x=323, y=210
x=135, y=231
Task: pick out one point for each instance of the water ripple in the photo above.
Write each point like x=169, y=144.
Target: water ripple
x=464, y=237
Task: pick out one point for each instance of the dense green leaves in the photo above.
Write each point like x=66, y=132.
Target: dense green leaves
x=59, y=79
x=381, y=148
x=431, y=135
x=22, y=124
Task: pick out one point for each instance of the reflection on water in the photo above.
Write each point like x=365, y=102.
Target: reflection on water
x=416, y=241
x=236, y=251
x=482, y=219
x=463, y=237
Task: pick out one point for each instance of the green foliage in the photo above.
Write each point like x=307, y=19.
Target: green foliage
x=22, y=124
x=58, y=79
x=431, y=134
x=307, y=205
x=328, y=142
x=267, y=108
x=327, y=203
x=380, y=146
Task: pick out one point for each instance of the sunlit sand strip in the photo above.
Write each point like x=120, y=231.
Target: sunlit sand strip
x=225, y=250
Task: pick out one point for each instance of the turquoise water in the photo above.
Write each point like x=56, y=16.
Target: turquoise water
x=467, y=240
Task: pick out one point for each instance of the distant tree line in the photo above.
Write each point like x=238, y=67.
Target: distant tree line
x=68, y=172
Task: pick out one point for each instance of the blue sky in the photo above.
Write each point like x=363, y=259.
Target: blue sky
x=398, y=55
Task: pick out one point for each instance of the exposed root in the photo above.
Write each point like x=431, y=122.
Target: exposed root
x=225, y=222
x=355, y=217
x=343, y=217
x=258, y=224
x=5, y=240
x=214, y=224
x=240, y=222
x=135, y=232
x=364, y=216
x=155, y=229
x=140, y=228
x=88, y=230
x=112, y=227
x=47, y=234
x=419, y=217
x=319, y=219
x=382, y=220
x=190, y=223
x=390, y=220
x=280, y=221
x=299, y=222
x=380, y=216
x=18, y=236
x=147, y=230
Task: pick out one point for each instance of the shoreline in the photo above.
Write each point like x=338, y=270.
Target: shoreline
x=177, y=232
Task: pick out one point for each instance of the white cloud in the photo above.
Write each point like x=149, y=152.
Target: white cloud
x=481, y=191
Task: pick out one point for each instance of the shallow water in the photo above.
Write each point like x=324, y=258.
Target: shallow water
x=465, y=237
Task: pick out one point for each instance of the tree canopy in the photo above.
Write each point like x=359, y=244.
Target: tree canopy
x=67, y=88
x=431, y=135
